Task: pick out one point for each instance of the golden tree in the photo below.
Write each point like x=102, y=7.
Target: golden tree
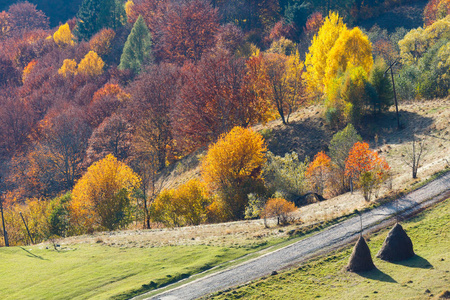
x=232, y=167
x=316, y=58
x=91, y=65
x=101, y=198
x=68, y=68
x=351, y=49
x=63, y=36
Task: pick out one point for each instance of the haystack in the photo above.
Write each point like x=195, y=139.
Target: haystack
x=397, y=246
x=360, y=260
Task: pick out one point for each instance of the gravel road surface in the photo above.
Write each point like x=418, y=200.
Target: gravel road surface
x=328, y=239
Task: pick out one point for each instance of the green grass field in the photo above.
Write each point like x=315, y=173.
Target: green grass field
x=424, y=276
x=100, y=272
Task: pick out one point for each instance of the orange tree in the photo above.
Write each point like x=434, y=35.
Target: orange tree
x=319, y=171
x=101, y=198
x=232, y=168
x=366, y=168
x=279, y=208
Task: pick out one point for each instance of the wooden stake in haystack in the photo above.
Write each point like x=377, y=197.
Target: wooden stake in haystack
x=397, y=246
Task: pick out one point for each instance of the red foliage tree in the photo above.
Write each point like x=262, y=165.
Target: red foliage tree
x=212, y=100
x=24, y=16
x=153, y=95
x=188, y=32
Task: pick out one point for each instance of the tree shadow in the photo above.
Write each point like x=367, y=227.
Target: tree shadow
x=307, y=137
x=378, y=275
x=32, y=254
x=385, y=125
x=415, y=262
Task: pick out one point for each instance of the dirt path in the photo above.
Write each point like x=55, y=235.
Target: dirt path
x=322, y=242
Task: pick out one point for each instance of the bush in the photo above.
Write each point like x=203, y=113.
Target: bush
x=285, y=175
x=186, y=205
x=59, y=216
x=279, y=208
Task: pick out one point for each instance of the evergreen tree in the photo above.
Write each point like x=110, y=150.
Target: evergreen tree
x=137, y=48
x=94, y=15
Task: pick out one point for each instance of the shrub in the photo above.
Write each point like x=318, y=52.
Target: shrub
x=279, y=208
x=186, y=205
x=285, y=174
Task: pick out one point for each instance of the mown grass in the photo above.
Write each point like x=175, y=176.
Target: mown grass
x=422, y=277
x=101, y=272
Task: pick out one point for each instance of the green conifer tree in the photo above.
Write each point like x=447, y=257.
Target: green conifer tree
x=137, y=48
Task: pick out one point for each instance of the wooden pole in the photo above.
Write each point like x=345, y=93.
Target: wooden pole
x=395, y=94
x=5, y=234
x=20, y=213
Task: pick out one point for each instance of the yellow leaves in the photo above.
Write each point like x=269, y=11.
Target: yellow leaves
x=186, y=205
x=316, y=58
x=352, y=49
x=237, y=155
x=418, y=41
x=129, y=5
x=63, y=36
x=96, y=194
x=91, y=65
x=334, y=49
x=69, y=67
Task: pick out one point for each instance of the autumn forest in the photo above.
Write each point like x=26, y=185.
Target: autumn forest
x=99, y=97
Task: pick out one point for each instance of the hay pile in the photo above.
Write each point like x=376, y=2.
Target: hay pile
x=360, y=260
x=397, y=246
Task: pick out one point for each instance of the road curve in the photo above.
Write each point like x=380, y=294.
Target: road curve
x=339, y=234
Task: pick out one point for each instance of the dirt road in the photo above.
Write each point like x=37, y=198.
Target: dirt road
x=328, y=239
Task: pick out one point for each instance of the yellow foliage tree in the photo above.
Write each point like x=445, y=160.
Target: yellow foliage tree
x=316, y=58
x=129, y=9
x=186, y=205
x=101, y=198
x=91, y=65
x=69, y=67
x=232, y=167
x=418, y=41
x=63, y=36
x=352, y=49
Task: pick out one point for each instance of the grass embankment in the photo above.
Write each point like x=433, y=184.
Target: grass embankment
x=424, y=276
x=100, y=272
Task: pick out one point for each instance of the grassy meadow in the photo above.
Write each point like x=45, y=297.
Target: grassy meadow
x=88, y=271
x=425, y=276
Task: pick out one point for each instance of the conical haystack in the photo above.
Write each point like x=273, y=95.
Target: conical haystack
x=360, y=260
x=397, y=246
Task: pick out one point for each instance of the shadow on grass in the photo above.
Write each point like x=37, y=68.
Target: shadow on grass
x=378, y=275
x=32, y=254
x=415, y=262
